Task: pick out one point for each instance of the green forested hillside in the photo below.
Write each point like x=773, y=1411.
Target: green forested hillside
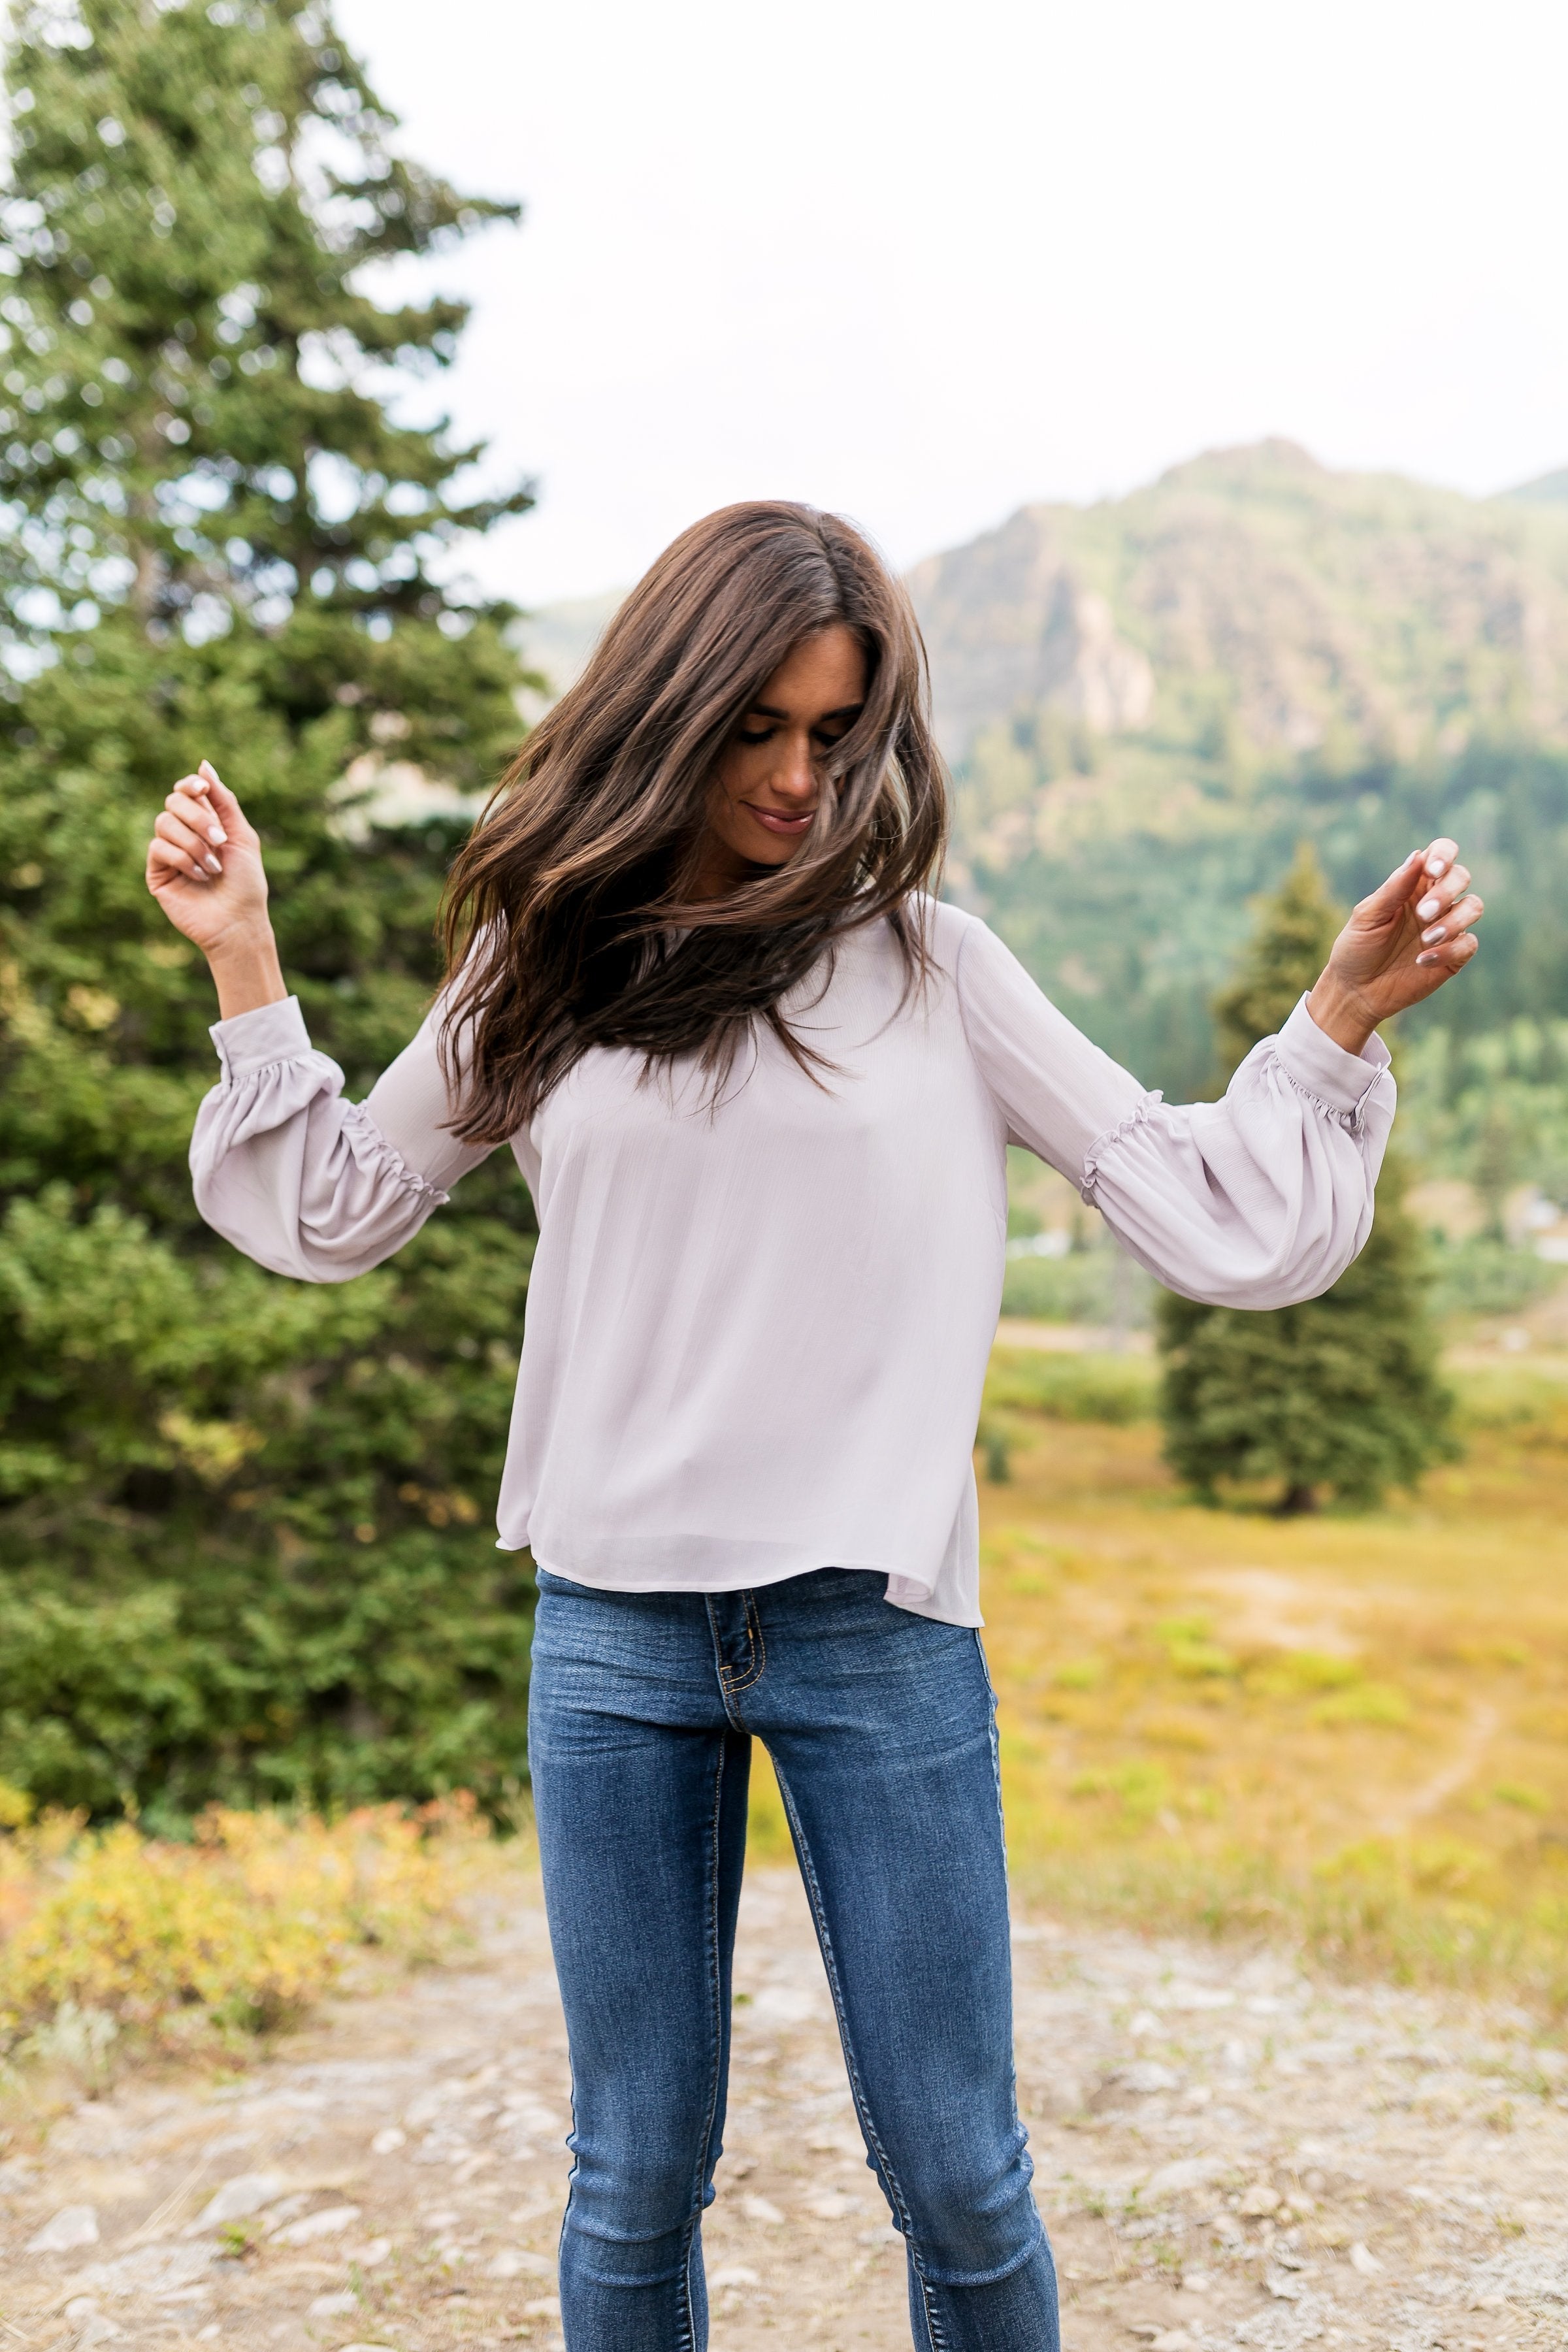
x=1149, y=702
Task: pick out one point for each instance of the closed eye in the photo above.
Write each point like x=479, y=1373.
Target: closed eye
x=829, y=730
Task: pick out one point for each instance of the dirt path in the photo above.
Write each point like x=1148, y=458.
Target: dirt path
x=1227, y=2155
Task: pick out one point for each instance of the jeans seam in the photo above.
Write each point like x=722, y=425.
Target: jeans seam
x=716, y=1978
x=856, y=2087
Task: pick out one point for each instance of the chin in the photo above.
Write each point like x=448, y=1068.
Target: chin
x=773, y=853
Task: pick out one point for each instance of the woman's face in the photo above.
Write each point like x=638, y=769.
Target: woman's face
x=771, y=774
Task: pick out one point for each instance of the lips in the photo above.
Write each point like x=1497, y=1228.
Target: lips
x=775, y=821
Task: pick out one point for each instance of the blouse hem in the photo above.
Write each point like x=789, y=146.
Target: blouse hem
x=916, y=1594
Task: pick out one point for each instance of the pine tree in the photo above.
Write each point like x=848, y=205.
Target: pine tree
x=1339, y=1395
x=243, y=1523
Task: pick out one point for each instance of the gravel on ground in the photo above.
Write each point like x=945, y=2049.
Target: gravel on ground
x=1228, y=2154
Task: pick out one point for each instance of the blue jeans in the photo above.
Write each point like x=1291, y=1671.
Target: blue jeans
x=881, y=1726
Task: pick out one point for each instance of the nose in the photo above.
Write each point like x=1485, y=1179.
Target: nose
x=796, y=777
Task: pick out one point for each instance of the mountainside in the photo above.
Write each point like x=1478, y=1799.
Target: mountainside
x=1316, y=610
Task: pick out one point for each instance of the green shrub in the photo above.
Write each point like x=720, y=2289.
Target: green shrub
x=1485, y=1276
x=1072, y=1387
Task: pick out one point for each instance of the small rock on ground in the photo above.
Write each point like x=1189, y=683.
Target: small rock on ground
x=1227, y=2155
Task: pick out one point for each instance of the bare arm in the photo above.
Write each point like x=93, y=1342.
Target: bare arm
x=205, y=868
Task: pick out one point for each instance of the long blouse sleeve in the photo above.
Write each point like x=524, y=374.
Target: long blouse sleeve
x=305, y=1183
x=1259, y=1200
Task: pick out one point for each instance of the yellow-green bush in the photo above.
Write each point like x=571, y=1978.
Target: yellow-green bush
x=241, y=1928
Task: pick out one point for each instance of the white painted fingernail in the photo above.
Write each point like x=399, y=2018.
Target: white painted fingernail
x=1427, y=909
x=1430, y=939
x=1425, y=958
x=215, y=833
x=1435, y=866
x=212, y=865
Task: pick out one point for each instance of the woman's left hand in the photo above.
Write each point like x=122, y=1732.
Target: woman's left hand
x=1399, y=945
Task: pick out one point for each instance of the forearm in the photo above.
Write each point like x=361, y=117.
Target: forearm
x=246, y=973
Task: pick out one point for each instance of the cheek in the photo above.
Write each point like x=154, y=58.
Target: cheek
x=720, y=811
x=729, y=782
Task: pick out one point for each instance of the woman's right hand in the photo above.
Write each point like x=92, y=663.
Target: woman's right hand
x=205, y=868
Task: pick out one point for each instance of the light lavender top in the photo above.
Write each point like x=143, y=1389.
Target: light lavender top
x=757, y=1330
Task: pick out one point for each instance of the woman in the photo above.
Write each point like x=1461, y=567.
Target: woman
x=761, y=1084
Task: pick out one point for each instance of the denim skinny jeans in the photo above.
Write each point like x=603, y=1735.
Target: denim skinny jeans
x=880, y=1725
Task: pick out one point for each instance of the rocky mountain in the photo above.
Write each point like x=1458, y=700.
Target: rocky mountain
x=1316, y=609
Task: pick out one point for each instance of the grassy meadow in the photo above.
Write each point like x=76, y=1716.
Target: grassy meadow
x=1349, y=1731
x=1346, y=1732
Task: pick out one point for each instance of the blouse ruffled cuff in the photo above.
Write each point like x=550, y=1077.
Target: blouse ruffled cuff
x=1339, y=1081
x=248, y=1042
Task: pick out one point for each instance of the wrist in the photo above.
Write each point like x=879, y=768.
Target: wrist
x=247, y=972
x=1342, y=1012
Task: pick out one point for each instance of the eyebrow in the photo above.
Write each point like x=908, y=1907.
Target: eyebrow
x=767, y=710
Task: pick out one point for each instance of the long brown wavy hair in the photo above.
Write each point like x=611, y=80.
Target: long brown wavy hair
x=571, y=918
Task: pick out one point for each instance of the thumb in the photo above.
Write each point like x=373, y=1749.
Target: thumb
x=228, y=810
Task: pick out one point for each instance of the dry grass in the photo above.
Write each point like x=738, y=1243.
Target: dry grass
x=1351, y=1732
x=1354, y=1727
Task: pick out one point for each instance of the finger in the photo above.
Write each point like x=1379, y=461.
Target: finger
x=1453, y=954
x=169, y=826
x=1404, y=878
x=1456, y=920
x=1443, y=894
x=223, y=799
x=182, y=838
x=167, y=864
x=197, y=815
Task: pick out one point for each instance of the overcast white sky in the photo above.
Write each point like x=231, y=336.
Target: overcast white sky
x=923, y=263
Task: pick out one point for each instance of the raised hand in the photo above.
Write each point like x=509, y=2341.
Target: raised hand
x=1399, y=945
x=205, y=868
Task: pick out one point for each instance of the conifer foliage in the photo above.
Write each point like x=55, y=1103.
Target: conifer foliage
x=244, y=1539
x=1338, y=1396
